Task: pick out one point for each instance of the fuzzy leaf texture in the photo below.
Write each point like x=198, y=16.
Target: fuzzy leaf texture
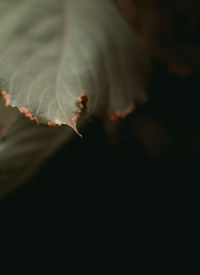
x=55, y=54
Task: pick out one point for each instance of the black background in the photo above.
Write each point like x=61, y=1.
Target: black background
x=90, y=175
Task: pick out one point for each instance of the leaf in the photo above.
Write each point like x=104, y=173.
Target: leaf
x=58, y=55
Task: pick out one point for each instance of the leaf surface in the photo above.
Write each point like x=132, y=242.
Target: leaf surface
x=56, y=55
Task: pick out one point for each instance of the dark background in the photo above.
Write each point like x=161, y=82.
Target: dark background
x=95, y=173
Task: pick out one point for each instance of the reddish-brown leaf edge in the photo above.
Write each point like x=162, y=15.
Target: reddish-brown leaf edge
x=83, y=101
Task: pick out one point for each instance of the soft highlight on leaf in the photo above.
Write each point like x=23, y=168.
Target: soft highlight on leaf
x=54, y=51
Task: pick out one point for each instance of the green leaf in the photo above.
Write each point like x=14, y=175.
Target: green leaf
x=56, y=55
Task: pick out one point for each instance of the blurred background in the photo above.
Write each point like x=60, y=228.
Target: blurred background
x=155, y=148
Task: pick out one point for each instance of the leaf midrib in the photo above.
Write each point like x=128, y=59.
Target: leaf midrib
x=66, y=18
